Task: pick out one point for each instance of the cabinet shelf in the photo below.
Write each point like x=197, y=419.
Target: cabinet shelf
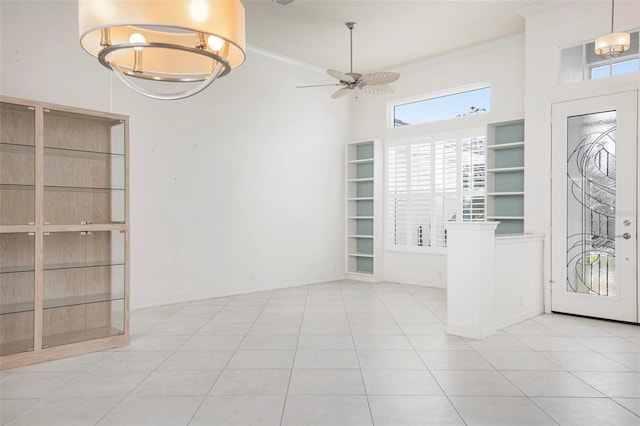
x=80, y=189
x=80, y=153
x=16, y=147
x=368, y=179
x=18, y=186
x=506, y=145
x=360, y=217
x=16, y=308
x=360, y=199
x=80, y=300
x=16, y=269
x=80, y=336
x=80, y=265
x=360, y=236
x=16, y=346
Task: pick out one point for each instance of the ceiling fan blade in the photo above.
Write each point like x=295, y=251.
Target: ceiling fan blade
x=379, y=78
x=319, y=85
x=340, y=93
x=378, y=89
x=340, y=76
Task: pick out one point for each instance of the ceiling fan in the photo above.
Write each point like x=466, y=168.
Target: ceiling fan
x=375, y=83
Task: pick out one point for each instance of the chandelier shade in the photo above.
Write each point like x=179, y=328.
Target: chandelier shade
x=173, y=41
x=613, y=44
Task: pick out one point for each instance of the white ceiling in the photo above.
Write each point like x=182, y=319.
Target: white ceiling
x=389, y=33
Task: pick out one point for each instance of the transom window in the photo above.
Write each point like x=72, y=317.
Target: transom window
x=430, y=181
x=579, y=63
x=453, y=103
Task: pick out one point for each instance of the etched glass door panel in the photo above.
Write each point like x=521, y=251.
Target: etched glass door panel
x=591, y=204
x=594, y=215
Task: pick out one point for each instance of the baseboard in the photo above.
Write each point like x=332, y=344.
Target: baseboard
x=471, y=333
x=514, y=319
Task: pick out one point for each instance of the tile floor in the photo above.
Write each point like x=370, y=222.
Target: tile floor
x=339, y=353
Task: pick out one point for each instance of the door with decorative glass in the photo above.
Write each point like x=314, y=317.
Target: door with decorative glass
x=594, y=207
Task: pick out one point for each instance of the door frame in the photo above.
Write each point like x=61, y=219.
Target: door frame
x=552, y=266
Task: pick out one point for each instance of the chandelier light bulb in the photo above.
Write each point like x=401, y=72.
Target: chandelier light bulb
x=137, y=38
x=215, y=43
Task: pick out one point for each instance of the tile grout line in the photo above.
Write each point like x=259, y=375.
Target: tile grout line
x=295, y=354
x=355, y=349
x=422, y=360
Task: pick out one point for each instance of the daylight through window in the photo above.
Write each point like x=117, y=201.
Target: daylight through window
x=469, y=101
x=431, y=181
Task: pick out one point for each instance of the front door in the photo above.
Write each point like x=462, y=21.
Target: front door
x=594, y=207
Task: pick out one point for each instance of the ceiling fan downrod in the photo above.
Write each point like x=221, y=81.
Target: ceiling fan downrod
x=351, y=26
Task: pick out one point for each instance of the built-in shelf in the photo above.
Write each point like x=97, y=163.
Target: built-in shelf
x=79, y=188
x=360, y=255
x=506, y=170
x=364, y=209
x=361, y=161
x=505, y=176
x=502, y=194
x=506, y=145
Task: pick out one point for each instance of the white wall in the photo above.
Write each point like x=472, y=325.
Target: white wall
x=548, y=29
x=42, y=59
x=501, y=64
x=237, y=189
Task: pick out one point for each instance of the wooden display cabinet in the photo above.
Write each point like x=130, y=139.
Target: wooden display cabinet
x=64, y=262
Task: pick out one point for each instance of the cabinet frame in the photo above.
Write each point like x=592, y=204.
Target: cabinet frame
x=39, y=228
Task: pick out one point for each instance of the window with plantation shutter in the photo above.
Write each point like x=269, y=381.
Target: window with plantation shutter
x=431, y=181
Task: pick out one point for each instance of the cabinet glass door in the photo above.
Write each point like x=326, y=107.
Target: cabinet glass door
x=17, y=280
x=84, y=169
x=83, y=286
x=17, y=153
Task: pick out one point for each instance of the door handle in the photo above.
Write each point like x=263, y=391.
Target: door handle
x=626, y=236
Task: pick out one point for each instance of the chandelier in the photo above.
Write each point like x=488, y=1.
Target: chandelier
x=613, y=44
x=155, y=45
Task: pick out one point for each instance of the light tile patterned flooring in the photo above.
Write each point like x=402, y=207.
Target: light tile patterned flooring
x=340, y=353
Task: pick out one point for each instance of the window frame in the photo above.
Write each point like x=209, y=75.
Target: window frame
x=391, y=105
x=459, y=194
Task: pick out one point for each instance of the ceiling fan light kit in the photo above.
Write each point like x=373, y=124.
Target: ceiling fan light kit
x=177, y=41
x=375, y=83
